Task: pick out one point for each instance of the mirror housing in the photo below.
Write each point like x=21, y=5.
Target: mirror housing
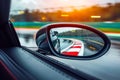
x=46, y=40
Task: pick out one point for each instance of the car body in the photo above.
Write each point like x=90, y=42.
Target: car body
x=43, y=44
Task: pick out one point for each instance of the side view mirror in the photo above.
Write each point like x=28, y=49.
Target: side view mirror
x=73, y=41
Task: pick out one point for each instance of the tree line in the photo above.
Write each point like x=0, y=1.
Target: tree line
x=111, y=12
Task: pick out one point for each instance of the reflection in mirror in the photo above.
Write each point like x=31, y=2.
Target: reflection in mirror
x=71, y=41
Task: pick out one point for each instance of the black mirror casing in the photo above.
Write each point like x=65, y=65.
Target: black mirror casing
x=44, y=42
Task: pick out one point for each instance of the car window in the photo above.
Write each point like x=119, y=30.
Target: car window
x=28, y=16
x=28, y=19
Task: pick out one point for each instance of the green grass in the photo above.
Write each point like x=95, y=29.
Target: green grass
x=115, y=30
x=105, y=27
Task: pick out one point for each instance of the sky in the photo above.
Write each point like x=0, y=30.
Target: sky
x=42, y=4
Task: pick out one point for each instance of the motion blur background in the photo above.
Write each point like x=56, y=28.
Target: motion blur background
x=30, y=15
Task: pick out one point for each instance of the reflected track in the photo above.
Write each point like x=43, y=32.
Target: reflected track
x=75, y=49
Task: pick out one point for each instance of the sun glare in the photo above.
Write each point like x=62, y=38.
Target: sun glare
x=65, y=0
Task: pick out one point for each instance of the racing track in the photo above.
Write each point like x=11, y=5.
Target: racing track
x=76, y=48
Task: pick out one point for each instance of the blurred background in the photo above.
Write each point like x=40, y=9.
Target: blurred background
x=31, y=15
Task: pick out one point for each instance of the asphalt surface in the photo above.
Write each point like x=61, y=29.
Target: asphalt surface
x=106, y=67
x=86, y=51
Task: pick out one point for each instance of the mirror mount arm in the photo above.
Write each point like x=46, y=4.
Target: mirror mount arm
x=42, y=51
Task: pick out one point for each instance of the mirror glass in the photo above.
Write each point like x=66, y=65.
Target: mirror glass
x=72, y=41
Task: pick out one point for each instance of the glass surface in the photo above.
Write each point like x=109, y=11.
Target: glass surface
x=71, y=41
x=28, y=16
x=100, y=14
